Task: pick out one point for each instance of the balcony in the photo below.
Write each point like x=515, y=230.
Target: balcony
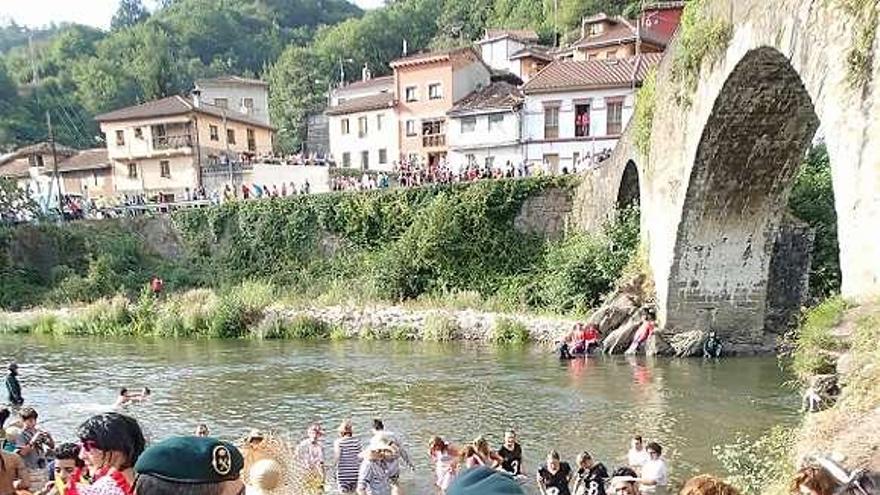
x=172, y=142
x=434, y=141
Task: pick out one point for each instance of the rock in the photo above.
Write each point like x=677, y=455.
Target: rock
x=618, y=340
x=688, y=344
x=658, y=346
x=844, y=364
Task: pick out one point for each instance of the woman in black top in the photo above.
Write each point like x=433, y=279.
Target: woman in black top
x=554, y=477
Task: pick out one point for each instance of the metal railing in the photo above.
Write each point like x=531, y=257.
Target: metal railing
x=172, y=142
x=434, y=140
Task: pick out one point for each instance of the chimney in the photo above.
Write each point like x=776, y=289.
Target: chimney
x=197, y=98
x=404, y=47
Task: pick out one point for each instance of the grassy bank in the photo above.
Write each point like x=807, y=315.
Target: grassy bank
x=454, y=245
x=834, y=337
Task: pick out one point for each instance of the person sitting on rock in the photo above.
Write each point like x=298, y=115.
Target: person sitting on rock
x=643, y=333
x=712, y=347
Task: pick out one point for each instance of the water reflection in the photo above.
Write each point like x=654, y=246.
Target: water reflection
x=420, y=389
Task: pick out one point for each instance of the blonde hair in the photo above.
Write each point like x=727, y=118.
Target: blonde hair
x=345, y=428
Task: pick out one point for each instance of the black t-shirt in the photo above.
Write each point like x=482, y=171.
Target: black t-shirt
x=593, y=479
x=558, y=480
x=511, y=459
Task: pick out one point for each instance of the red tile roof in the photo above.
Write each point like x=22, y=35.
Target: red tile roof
x=428, y=57
x=498, y=96
x=376, y=81
x=618, y=31
x=568, y=75
x=363, y=104
x=536, y=51
x=175, y=105
x=92, y=159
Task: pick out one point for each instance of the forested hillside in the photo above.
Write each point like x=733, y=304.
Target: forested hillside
x=299, y=46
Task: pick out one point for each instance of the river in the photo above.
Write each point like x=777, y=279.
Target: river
x=457, y=390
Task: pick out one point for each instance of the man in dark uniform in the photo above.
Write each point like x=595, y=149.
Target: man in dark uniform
x=13, y=388
x=591, y=476
x=189, y=466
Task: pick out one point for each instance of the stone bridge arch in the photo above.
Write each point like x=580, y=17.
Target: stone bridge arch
x=719, y=170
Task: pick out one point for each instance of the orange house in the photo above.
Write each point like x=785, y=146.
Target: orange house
x=427, y=86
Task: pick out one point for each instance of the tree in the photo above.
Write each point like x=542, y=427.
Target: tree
x=464, y=20
x=296, y=88
x=15, y=204
x=129, y=13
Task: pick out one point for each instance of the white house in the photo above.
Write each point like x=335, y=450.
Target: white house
x=484, y=128
x=363, y=132
x=367, y=86
x=514, y=51
x=247, y=96
x=575, y=110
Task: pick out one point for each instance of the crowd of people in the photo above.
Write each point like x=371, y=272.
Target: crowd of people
x=110, y=455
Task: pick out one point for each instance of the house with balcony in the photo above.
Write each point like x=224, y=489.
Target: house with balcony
x=240, y=94
x=575, y=110
x=163, y=147
x=484, y=128
x=427, y=86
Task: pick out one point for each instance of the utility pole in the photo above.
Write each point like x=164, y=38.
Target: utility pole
x=55, y=177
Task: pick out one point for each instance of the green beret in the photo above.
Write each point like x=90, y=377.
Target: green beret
x=484, y=481
x=191, y=460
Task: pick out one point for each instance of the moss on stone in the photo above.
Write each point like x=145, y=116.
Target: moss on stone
x=701, y=38
x=646, y=101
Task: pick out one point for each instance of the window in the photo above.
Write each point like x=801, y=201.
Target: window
x=435, y=91
x=551, y=122
x=346, y=159
x=221, y=102
x=215, y=133
x=582, y=120
x=132, y=170
x=411, y=128
x=611, y=54
x=379, y=119
x=591, y=56
x=575, y=158
x=252, y=140
x=432, y=127
x=248, y=105
x=471, y=159
x=365, y=160
x=595, y=29
x=362, y=126
x=138, y=133
x=120, y=138
x=383, y=156
x=468, y=124
x=165, y=169
x=410, y=93
x=551, y=163
x=346, y=127
x=230, y=136
x=496, y=120
x=490, y=162
x=615, y=117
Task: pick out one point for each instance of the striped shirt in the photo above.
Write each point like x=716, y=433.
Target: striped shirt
x=348, y=464
x=373, y=478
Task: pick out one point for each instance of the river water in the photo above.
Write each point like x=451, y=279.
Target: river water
x=457, y=390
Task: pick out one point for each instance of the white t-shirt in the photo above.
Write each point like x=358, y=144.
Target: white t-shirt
x=655, y=470
x=637, y=458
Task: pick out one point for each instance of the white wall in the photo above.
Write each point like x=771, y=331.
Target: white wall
x=375, y=139
x=497, y=54
x=502, y=142
x=535, y=146
x=235, y=94
x=466, y=79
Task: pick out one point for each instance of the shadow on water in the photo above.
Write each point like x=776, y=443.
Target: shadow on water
x=457, y=390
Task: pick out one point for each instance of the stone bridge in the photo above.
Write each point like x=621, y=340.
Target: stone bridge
x=714, y=186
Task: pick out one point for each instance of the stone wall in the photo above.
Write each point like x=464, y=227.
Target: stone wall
x=789, y=282
x=546, y=214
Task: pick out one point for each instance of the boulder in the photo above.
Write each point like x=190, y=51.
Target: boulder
x=688, y=344
x=617, y=310
x=619, y=339
x=658, y=346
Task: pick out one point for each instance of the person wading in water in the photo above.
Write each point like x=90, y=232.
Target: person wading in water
x=13, y=388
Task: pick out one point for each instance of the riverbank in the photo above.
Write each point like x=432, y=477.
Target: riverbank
x=254, y=310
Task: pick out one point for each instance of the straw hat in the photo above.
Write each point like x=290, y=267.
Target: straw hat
x=269, y=466
x=378, y=443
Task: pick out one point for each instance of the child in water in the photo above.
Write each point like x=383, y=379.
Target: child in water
x=125, y=397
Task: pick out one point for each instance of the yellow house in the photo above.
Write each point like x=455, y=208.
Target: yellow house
x=160, y=148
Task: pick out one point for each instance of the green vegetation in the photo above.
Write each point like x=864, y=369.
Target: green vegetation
x=646, y=101
x=812, y=201
x=860, y=59
x=759, y=466
x=440, y=328
x=508, y=331
x=815, y=341
x=701, y=38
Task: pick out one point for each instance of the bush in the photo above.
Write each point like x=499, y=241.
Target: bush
x=756, y=465
x=814, y=339
x=440, y=328
x=306, y=327
x=508, y=331
x=700, y=38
